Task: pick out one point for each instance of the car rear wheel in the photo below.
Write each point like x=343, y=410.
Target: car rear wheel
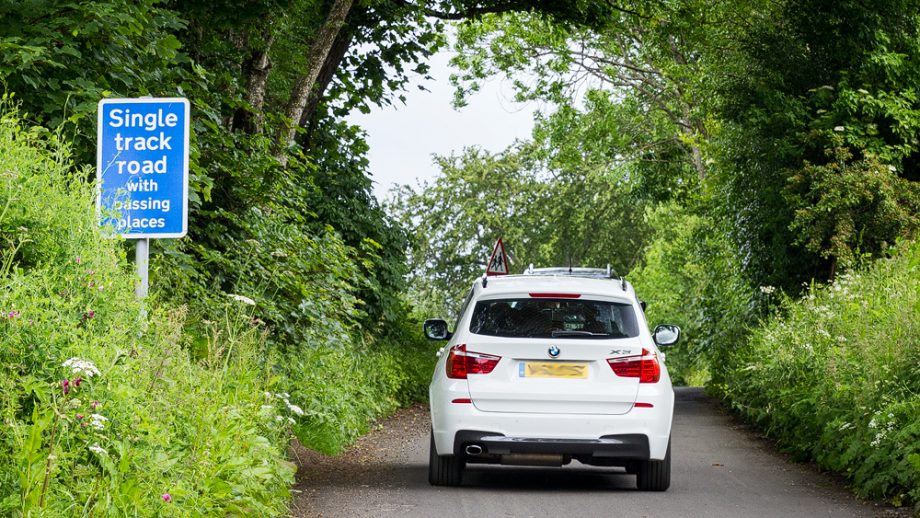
x=444, y=470
x=655, y=475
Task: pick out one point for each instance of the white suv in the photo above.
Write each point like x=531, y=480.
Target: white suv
x=553, y=365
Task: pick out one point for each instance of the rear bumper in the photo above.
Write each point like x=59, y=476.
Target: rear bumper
x=627, y=446
x=641, y=433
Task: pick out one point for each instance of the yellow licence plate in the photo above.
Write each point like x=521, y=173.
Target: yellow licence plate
x=553, y=370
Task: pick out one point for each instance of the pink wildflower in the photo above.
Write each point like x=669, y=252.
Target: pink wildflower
x=77, y=381
x=167, y=497
x=79, y=260
x=79, y=417
x=65, y=385
x=12, y=314
x=94, y=404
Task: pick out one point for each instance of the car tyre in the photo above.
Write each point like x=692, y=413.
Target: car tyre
x=444, y=470
x=655, y=475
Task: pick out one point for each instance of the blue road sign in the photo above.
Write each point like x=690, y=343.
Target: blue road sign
x=142, y=166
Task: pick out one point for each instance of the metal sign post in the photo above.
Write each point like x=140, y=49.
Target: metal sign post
x=141, y=257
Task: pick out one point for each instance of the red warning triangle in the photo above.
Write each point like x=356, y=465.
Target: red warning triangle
x=498, y=263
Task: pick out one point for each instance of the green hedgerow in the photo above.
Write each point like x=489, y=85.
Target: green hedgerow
x=836, y=378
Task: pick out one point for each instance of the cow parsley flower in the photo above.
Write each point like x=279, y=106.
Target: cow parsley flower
x=95, y=448
x=97, y=421
x=240, y=298
x=81, y=367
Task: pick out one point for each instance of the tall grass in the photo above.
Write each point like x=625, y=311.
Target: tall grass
x=836, y=378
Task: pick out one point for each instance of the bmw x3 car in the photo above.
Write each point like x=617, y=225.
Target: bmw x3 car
x=550, y=366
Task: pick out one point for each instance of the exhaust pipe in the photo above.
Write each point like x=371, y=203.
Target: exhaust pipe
x=473, y=450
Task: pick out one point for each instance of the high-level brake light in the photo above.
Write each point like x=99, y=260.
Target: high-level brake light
x=555, y=295
x=644, y=366
x=461, y=362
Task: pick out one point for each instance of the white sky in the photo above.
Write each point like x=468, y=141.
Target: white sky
x=403, y=138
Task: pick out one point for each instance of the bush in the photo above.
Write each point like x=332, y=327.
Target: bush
x=835, y=377
x=102, y=418
x=344, y=389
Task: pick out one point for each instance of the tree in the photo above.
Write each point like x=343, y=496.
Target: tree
x=819, y=147
x=574, y=216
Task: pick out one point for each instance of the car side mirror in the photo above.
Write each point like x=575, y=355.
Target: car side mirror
x=436, y=329
x=666, y=334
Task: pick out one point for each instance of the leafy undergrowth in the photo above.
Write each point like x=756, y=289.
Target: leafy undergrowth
x=344, y=390
x=836, y=379
x=99, y=418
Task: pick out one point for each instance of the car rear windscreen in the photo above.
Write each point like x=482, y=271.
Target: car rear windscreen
x=552, y=318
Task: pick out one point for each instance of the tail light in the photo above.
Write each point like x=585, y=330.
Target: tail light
x=461, y=362
x=644, y=366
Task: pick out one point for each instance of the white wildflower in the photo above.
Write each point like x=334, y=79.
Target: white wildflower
x=95, y=448
x=892, y=168
x=767, y=290
x=240, y=298
x=283, y=395
x=878, y=439
x=872, y=423
x=80, y=367
x=97, y=421
x=291, y=421
x=266, y=408
x=279, y=418
x=841, y=338
x=296, y=409
x=824, y=333
x=839, y=128
x=279, y=253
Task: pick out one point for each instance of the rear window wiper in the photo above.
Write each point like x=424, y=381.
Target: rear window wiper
x=559, y=332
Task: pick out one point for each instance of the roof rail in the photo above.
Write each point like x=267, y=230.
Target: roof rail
x=593, y=273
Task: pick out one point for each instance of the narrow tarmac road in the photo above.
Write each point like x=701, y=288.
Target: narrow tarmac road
x=719, y=469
